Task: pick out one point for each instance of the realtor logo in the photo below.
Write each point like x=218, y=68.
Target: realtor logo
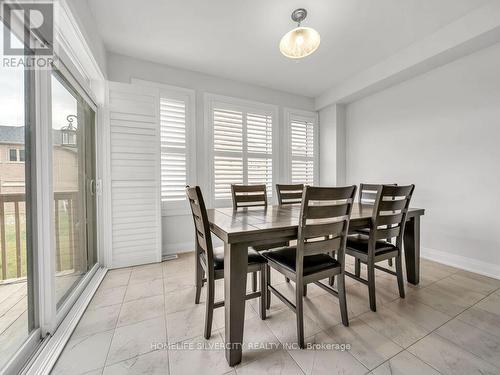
x=37, y=22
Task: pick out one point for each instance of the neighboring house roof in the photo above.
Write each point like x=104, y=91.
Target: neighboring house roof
x=15, y=135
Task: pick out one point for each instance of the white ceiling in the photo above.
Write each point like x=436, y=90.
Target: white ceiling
x=238, y=39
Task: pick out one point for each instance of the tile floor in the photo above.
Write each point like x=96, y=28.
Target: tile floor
x=449, y=324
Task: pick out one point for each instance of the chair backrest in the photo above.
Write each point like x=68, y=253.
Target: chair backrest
x=324, y=222
x=368, y=193
x=249, y=195
x=201, y=225
x=289, y=194
x=390, y=212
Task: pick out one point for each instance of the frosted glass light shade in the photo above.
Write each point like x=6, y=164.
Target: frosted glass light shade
x=299, y=42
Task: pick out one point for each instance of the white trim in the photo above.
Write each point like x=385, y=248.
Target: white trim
x=45, y=204
x=45, y=359
x=69, y=36
x=458, y=261
x=288, y=113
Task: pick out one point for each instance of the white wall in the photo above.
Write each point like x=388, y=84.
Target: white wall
x=332, y=145
x=178, y=230
x=440, y=131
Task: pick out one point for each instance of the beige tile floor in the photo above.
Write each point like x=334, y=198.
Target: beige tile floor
x=449, y=324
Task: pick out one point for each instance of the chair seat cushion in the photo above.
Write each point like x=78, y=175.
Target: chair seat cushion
x=253, y=257
x=359, y=242
x=270, y=246
x=286, y=257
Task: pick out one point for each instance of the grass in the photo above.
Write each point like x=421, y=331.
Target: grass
x=10, y=240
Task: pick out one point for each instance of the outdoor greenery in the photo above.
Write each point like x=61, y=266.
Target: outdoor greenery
x=63, y=259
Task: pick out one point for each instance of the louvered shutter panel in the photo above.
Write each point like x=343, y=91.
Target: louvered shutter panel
x=135, y=176
x=259, y=150
x=302, y=151
x=228, y=151
x=242, y=149
x=173, y=150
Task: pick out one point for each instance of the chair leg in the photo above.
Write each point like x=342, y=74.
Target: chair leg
x=342, y=299
x=399, y=272
x=198, y=281
x=287, y=280
x=331, y=280
x=254, y=282
x=305, y=291
x=299, y=292
x=209, y=304
x=389, y=262
x=263, y=291
x=371, y=286
x=268, y=282
x=357, y=267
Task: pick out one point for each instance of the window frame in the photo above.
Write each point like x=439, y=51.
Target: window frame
x=301, y=115
x=237, y=104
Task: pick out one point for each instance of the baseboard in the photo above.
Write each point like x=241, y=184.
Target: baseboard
x=464, y=263
x=177, y=248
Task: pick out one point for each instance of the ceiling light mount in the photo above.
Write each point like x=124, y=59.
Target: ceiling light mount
x=299, y=15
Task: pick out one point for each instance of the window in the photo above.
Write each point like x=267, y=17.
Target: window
x=243, y=147
x=303, y=148
x=173, y=149
x=16, y=155
x=12, y=154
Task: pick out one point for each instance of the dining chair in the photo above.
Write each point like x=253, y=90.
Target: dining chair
x=323, y=228
x=289, y=194
x=210, y=261
x=245, y=196
x=367, y=195
x=387, y=222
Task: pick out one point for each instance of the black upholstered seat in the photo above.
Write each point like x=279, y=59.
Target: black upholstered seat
x=359, y=242
x=253, y=258
x=312, y=263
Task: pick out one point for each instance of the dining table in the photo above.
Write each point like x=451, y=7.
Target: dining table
x=253, y=226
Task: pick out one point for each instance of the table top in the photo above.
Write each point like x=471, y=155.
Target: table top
x=250, y=223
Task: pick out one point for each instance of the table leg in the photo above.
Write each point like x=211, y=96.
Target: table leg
x=235, y=285
x=412, y=250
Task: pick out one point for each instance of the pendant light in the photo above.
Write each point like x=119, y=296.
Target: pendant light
x=301, y=41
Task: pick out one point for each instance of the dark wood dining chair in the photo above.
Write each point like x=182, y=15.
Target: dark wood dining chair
x=323, y=228
x=245, y=196
x=367, y=195
x=388, y=222
x=210, y=261
x=289, y=194
x=249, y=196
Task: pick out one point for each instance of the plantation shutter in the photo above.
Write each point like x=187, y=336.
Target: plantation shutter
x=135, y=174
x=302, y=151
x=242, y=149
x=173, y=150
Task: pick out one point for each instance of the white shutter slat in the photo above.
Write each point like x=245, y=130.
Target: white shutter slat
x=302, y=151
x=242, y=149
x=135, y=184
x=173, y=150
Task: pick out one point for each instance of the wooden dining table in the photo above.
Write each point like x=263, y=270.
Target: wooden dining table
x=254, y=226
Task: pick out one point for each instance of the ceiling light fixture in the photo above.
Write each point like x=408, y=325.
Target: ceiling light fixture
x=301, y=41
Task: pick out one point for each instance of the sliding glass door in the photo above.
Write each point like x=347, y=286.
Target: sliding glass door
x=16, y=252
x=73, y=155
